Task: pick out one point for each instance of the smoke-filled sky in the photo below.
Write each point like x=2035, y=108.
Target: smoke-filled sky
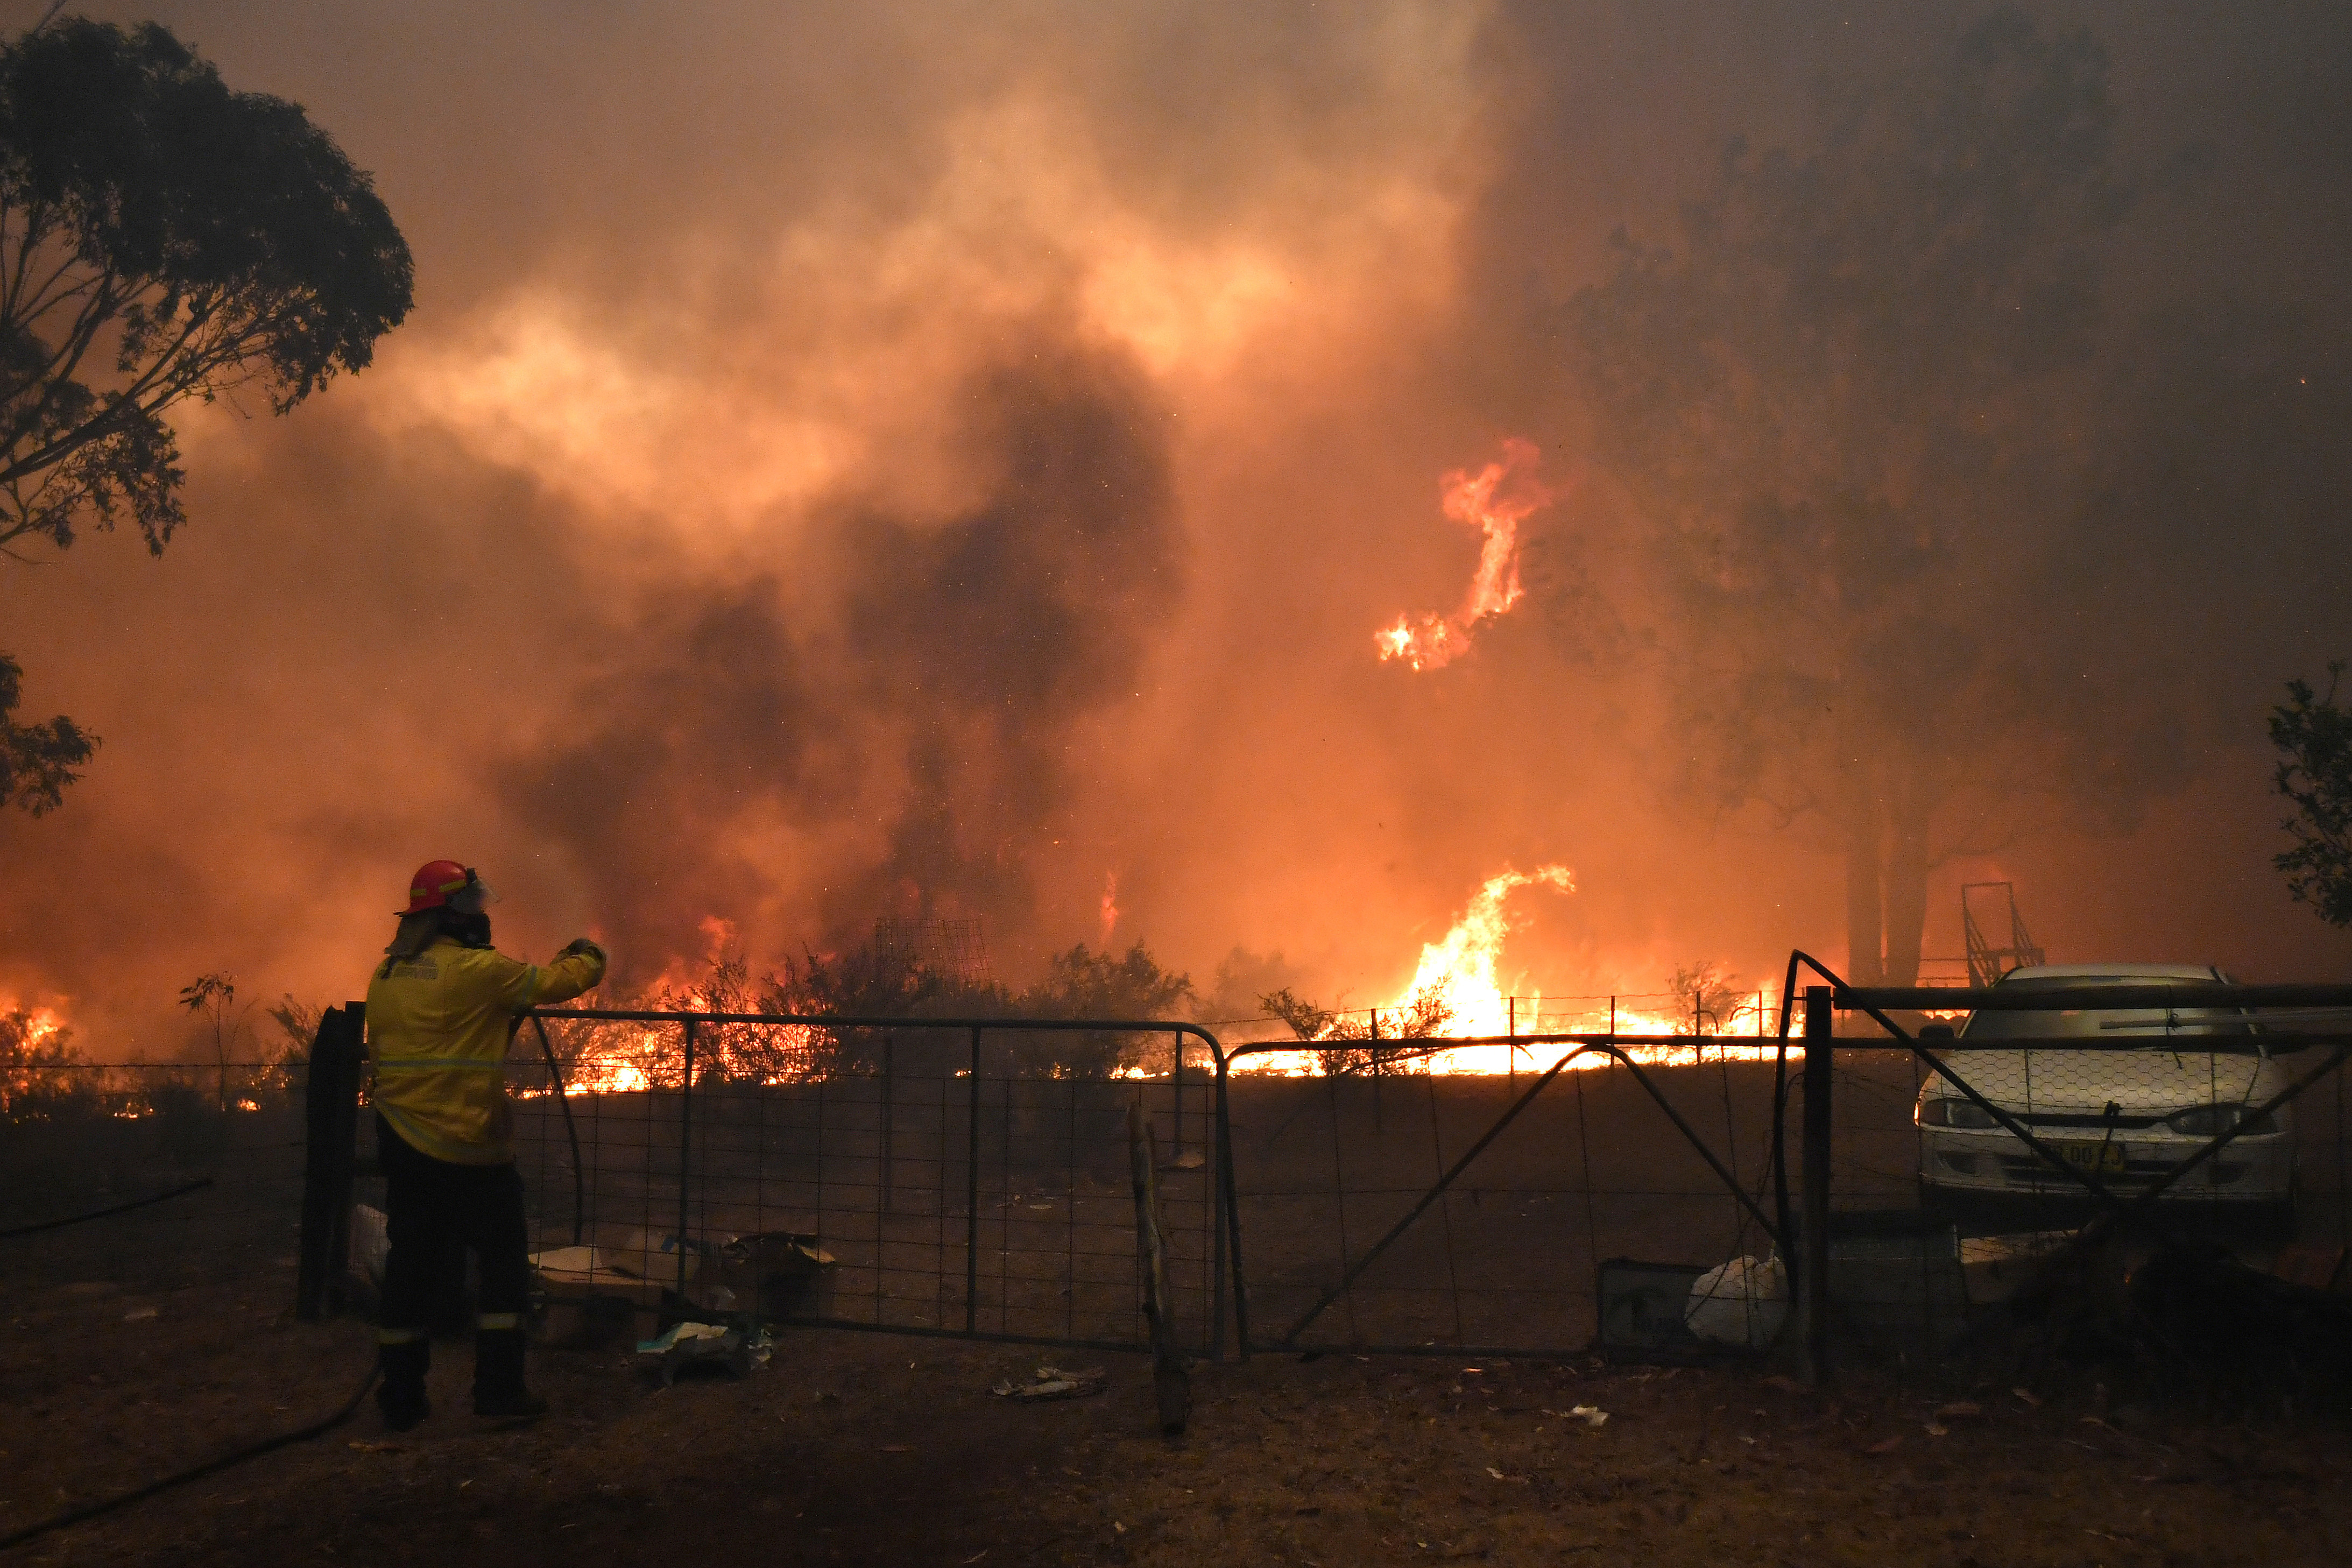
x=848, y=460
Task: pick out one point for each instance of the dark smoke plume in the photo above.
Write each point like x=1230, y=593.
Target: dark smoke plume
x=934, y=681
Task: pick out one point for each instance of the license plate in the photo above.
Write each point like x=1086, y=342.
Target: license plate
x=2099, y=1159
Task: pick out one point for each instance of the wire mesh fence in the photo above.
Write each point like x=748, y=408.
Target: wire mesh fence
x=921, y=1177
x=80, y=1140
x=1438, y=1211
x=952, y=1179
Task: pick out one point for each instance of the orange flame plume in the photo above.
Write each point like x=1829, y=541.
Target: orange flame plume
x=1427, y=641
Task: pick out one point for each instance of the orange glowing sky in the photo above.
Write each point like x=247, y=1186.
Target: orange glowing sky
x=684, y=548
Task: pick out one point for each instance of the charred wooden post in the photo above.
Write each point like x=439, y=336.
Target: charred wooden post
x=1171, y=1382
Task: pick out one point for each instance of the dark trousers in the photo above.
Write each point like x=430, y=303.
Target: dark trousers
x=435, y=1212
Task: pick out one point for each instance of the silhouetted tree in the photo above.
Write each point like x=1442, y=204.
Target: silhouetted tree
x=36, y=761
x=1082, y=984
x=1825, y=401
x=1346, y=1044
x=209, y=997
x=161, y=238
x=2316, y=773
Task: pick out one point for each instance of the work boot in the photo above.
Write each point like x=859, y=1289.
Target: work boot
x=400, y=1393
x=499, y=1391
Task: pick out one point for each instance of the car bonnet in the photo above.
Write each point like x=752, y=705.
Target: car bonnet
x=2155, y=1081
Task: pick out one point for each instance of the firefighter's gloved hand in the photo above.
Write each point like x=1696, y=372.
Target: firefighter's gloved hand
x=581, y=944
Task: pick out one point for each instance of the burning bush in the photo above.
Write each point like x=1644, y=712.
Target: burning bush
x=1425, y=1016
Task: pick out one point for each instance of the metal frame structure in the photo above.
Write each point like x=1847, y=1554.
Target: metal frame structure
x=1799, y=1223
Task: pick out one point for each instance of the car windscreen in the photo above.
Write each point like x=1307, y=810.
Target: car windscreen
x=2225, y=1030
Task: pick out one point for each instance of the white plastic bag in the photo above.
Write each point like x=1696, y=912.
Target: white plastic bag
x=1744, y=1302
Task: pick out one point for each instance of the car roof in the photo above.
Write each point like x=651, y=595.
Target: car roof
x=2205, y=972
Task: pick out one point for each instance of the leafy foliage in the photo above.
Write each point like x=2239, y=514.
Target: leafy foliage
x=36, y=761
x=1082, y=984
x=1818, y=397
x=167, y=238
x=1704, y=997
x=161, y=238
x=2316, y=734
x=873, y=981
x=31, y=1058
x=1337, y=1034
x=209, y=996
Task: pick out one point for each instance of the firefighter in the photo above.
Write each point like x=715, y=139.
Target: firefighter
x=441, y=1010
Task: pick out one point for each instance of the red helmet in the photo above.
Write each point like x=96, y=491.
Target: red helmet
x=436, y=881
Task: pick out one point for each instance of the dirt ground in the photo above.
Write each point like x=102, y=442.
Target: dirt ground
x=865, y=1449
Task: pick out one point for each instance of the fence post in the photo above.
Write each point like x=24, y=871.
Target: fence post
x=1170, y=1381
x=331, y=1101
x=1176, y=1085
x=1813, y=1271
x=685, y=1146
x=888, y=1116
x=972, y=1193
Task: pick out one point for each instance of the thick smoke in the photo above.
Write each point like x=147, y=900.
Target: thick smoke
x=990, y=635
x=850, y=461
x=931, y=680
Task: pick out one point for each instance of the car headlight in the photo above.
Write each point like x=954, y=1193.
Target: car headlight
x=2213, y=1120
x=1954, y=1113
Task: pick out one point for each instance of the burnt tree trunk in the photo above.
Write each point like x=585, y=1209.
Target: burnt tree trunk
x=1907, y=874
x=1862, y=821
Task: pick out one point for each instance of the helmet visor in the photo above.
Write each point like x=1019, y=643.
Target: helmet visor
x=474, y=897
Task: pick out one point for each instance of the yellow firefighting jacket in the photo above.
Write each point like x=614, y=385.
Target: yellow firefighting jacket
x=437, y=1027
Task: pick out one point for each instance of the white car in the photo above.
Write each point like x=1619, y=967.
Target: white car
x=2127, y=1116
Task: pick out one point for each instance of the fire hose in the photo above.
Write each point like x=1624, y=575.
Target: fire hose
x=16, y=1538
x=318, y=1428
x=183, y=1188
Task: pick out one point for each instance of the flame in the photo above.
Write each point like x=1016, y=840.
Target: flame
x=1109, y=907
x=1459, y=969
x=1463, y=970
x=606, y=1074
x=1428, y=641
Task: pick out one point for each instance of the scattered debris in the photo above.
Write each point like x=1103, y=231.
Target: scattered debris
x=775, y=1273
x=139, y=1314
x=1642, y=1307
x=1960, y=1410
x=1742, y=1302
x=1593, y=1416
x=1994, y=1265
x=1052, y=1382
x=1885, y=1445
x=2216, y=1311
x=371, y=1245
x=706, y=1344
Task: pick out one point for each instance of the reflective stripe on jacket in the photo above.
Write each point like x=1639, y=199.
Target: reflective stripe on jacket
x=437, y=1027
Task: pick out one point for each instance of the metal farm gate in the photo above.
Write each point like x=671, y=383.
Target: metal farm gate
x=972, y=1178
x=977, y=1178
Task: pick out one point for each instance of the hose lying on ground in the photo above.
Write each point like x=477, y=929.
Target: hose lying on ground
x=101, y=1213
x=284, y=1439
x=196, y=1472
